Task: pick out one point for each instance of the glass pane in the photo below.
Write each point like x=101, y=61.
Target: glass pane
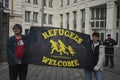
x=67, y=14
x=61, y=3
x=102, y=24
x=50, y=3
x=50, y=19
x=5, y=17
x=83, y=15
x=97, y=13
x=83, y=24
x=44, y=18
x=27, y=16
x=44, y=2
x=75, y=1
x=117, y=37
x=67, y=2
x=102, y=37
x=118, y=12
x=117, y=23
x=92, y=24
x=97, y=24
x=93, y=15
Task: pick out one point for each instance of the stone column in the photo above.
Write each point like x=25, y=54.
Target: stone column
x=71, y=20
x=79, y=27
x=64, y=21
x=87, y=21
x=111, y=18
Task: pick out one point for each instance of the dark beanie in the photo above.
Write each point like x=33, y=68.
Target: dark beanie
x=18, y=26
x=109, y=35
x=96, y=34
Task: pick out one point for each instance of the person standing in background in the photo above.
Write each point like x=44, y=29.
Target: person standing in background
x=16, y=46
x=109, y=50
x=98, y=59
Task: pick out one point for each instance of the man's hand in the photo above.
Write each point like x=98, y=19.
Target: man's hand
x=19, y=62
x=95, y=69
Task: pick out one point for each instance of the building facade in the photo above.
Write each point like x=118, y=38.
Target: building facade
x=4, y=27
x=84, y=16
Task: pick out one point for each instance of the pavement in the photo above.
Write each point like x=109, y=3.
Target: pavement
x=37, y=72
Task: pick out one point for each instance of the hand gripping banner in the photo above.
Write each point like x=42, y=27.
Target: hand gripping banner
x=58, y=47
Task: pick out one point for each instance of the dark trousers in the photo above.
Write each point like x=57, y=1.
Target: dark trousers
x=109, y=57
x=18, y=70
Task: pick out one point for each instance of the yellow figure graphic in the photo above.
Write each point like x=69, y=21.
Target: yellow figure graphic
x=71, y=50
x=62, y=47
x=55, y=46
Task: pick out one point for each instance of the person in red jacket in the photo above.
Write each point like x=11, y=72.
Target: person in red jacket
x=16, y=46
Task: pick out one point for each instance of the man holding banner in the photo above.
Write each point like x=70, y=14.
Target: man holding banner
x=16, y=46
x=98, y=59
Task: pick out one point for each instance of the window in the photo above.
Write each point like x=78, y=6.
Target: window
x=92, y=24
x=27, y=16
x=5, y=18
x=101, y=23
x=27, y=31
x=103, y=13
x=117, y=37
x=1, y=1
x=50, y=19
x=98, y=17
x=45, y=18
x=27, y=1
x=102, y=37
x=83, y=14
x=97, y=23
x=118, y=12
x=118, y=16
x=35, y=1
x=68, y=2
x=75, y=1
x=61, y=24
x=61, y=3
x=67, y=14
x=83, y=20
x=92, y=14
x=44, y=2
x=4, y=3
x=35, y=15
x=75, y=19
x=75, y=16
x=97, y=13
x=50, y=3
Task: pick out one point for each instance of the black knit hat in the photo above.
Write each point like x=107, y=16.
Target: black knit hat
x=109, y=35
x=96, y=34
x=18, y=26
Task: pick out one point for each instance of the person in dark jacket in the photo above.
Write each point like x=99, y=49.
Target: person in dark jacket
x=98, y=59
x=109, y=50
x=16, y=46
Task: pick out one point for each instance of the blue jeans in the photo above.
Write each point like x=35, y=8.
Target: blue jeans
x=89, y=75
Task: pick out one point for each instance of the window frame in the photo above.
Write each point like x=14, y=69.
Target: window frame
x=27, y=16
